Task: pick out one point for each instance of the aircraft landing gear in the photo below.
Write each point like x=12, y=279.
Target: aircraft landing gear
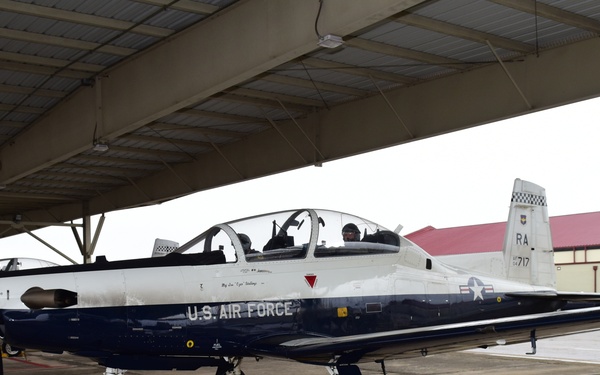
x=114, y=371
x=533, y=339
x=232, y=367
x=344, y=370
x=11, y=351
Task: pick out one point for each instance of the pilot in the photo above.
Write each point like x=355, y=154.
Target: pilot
x=246, y=243
x=350, y=233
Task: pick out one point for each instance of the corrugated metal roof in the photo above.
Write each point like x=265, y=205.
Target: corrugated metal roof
x=568, y=232
x=50, y=49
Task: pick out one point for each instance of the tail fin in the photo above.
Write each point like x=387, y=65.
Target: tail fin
x=528, y=251
x=163, y=247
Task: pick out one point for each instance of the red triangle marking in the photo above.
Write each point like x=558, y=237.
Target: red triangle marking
x=311, y=280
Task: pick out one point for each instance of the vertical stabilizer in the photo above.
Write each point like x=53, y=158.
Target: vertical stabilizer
x=163, y=247
x=528, y=251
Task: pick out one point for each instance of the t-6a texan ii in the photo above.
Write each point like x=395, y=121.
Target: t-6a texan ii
x=320, y=287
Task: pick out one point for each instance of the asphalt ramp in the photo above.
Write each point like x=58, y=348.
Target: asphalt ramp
x=511, y=360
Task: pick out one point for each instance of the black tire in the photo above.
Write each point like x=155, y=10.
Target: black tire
x=11, y=351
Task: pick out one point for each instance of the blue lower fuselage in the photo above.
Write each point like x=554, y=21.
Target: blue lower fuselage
x=217, y=328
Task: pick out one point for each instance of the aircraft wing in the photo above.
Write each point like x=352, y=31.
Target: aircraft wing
x=423, y=341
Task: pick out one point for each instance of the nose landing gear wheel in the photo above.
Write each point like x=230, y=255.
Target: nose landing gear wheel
x=11, y=351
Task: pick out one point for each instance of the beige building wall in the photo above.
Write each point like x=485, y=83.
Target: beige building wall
x=575, y=270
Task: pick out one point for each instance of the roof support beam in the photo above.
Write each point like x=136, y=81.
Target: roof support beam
x=391, y=106
x=44, y=70
x=87, y=19
x=552, y=13
x=404, y=53
x=183, y=75
x=509, y=75
x=157, y=127
x=485, y=96
x=48, y=245
x=462, y=32
x=309, y=84
x=357, y=70
x=184, y=5
x=64, y=42
x=32, y=91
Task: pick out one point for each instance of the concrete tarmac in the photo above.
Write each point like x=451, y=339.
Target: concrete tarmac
x=578, y=354
x=456, y=363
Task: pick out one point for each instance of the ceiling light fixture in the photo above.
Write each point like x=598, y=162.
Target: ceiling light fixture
x=329, y=40
x=101, y=147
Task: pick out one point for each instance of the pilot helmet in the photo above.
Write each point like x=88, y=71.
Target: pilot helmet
x=350, y=232
x=245, y=240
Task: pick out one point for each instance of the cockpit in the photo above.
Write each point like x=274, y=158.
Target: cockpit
x=17, y=264
x=295, y=234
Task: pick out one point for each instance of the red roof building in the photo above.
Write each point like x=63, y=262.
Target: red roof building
x=576, y=241
x=569, y=232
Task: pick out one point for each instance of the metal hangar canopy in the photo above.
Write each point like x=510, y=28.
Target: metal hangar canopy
x=112, y=104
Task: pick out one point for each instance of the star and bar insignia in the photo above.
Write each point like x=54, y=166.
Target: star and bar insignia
x=476, y=288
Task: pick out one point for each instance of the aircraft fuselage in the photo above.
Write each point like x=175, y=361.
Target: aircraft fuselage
x=324, y=287
x=140, y=308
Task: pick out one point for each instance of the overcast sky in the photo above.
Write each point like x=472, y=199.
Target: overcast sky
x=457, y=179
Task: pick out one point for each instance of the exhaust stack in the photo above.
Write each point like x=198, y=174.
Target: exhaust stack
x=37, y=298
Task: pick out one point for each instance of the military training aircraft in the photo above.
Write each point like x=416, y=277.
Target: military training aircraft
x=315, y=286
